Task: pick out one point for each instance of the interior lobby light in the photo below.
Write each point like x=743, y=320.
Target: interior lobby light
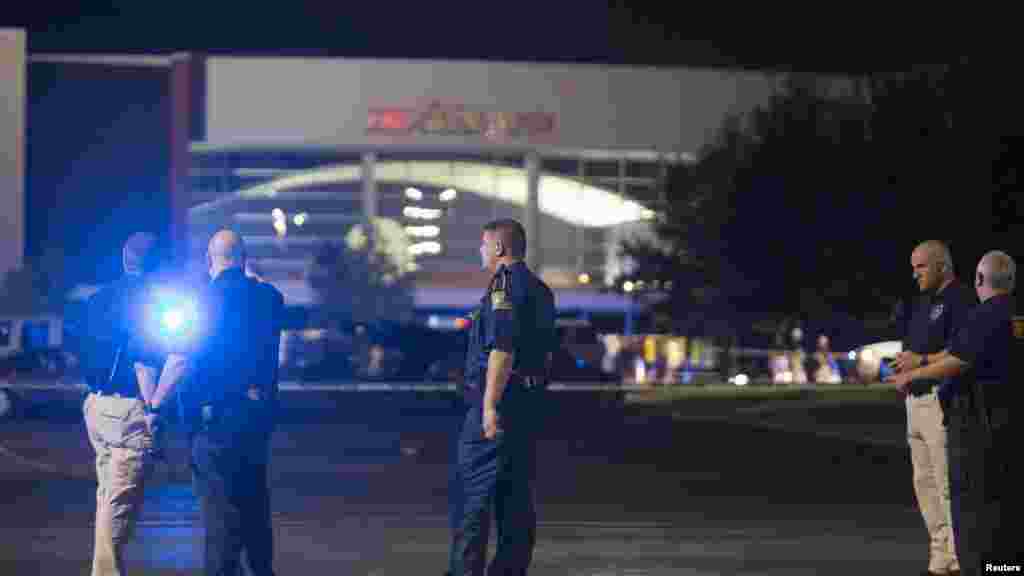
x=428, y=231
x=559, y=196
x=425, y=248
x=421, y=213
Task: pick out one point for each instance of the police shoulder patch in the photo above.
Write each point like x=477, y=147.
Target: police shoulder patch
x=499, y=301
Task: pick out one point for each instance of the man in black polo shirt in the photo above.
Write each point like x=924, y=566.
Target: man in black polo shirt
x=985, y=359
x=933, y=318
x=121, y=409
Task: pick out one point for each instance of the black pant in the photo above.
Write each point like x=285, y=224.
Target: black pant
x=455, y=487
x=229, y=466
x=498, y=474
x=985, y=489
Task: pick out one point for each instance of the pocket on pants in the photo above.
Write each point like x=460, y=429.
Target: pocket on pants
x=121, y=423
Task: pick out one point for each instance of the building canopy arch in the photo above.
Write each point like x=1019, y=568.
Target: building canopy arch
x=570, y=200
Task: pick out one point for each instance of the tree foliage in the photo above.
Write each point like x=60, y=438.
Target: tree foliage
x=362, y=281
x=37, y=287
x=812, y=203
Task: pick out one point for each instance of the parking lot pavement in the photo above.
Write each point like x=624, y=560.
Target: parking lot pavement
x=620, y=493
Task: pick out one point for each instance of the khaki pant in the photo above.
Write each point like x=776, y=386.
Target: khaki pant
x=926, y=435
x=122, y=442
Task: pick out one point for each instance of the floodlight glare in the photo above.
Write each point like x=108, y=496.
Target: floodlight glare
x=173, y=320
x=172, y=317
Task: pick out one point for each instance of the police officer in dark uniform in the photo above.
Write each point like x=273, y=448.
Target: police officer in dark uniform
x=507, y=365
x=935, y=315
x=985, y=358
x=230, y=403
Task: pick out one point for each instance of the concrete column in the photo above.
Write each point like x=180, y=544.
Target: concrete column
x=13, y=106
x=622, y=177
x=662, y=182
x=581, y=231
x=369, y=164
x=495, y=183
x=180, y=191
x=531, y=219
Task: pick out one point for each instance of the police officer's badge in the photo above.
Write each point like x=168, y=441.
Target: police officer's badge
x=937, y=311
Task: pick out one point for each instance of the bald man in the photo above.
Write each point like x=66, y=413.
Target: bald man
x=985, y=360
x=939, y=311
x=230, y=406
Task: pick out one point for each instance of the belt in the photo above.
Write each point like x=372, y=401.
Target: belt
x=211, y=412
x=516, y=380
x=126, y=396
x=922, y=387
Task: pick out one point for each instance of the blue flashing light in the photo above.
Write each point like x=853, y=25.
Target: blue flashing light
x=172, y=317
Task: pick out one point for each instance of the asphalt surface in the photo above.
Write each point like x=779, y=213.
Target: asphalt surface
x=359, y=484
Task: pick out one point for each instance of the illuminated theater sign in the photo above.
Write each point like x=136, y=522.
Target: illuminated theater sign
x=445, y=119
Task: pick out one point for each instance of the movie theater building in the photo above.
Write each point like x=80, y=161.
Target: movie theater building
x=297, y=152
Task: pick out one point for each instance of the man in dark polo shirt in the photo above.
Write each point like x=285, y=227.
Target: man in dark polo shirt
x=985, y=360
x=122, y=408
x=934, y=317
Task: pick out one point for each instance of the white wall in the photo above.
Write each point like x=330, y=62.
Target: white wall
x=12, y=149
x=326, y=101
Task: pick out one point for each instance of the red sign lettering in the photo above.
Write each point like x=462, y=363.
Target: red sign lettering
x=436, y=118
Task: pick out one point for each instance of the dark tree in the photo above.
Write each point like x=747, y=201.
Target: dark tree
x=812, y=204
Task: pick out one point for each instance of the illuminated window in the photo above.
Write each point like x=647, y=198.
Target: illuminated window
x=561, y=197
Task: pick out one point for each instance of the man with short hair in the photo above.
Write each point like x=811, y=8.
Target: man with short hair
x=984, y=359
x=122, y=407
x=940, y=310
x=507, y=366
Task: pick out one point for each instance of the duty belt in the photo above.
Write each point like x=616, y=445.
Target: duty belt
x=922, y=387
x=515, y=378
x=986, y=404
x=125, y=395
x=530, y=382
x=211, y=412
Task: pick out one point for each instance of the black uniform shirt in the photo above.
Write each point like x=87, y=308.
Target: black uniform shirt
x=516, y=315
x=934, y=319
x=986, y=341
x=239, y=340
x=987, y=393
